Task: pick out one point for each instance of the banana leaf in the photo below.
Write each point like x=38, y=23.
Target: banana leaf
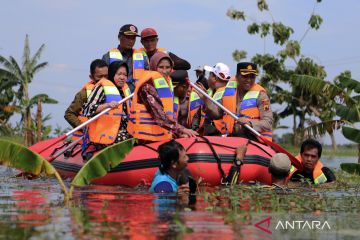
x=22, y=158
x=353, y=168
x=101, y=164
x=352, y=134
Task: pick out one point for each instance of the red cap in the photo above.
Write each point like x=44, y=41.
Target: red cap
x=148, y=32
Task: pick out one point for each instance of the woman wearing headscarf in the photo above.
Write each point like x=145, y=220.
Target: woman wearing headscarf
x=152, y=110
x=111, y=127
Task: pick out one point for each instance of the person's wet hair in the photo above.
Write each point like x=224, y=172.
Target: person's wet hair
x=113, y=68
x=309, y=144
x=97, y=63
x=169, y=152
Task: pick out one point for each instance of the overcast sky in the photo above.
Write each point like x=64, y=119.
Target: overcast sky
x=76, y=32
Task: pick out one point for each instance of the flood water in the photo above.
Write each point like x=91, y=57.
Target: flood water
x=35, y=209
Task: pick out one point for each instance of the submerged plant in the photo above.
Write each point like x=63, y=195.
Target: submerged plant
x=20, y=157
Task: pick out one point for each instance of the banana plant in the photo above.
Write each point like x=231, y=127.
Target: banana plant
x=102, y=163
x=22, y=158
x=344, y=93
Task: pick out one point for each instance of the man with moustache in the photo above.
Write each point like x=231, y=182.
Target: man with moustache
x=246, y=99
x=136, y=60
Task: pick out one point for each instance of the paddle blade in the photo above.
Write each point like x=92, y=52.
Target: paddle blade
x=278, y=148
x=353, y=168
x=20, y=157
x=101, y=164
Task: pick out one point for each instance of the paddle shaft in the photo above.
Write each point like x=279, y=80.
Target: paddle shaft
x=277, y=147
x=97, y=116
x=224, y=108
x=84, y=124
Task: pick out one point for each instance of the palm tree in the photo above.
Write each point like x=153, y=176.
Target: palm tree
x=344, y=95
x=22, y=77
x=41, y=131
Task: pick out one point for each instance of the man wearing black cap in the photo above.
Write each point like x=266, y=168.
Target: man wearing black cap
x=248, y=100
x=136, y=60
x=149, y=39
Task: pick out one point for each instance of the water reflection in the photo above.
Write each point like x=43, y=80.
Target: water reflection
x=35, y=210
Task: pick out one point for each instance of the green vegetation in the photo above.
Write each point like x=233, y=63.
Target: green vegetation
x=20, y=157
x=14, y=81
x=349, y=150
x=102, y=163
x=15, y=139
x=242, y=202
x=276, y=73
x=302, y=88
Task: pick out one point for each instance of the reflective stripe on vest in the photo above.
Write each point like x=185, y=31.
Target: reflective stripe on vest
x=115, y=55
x=219, y=124
x=89, y=86
x=137, y=59
x=203, y=114
x=138, y=64
x=176, y=107
x=141, y=124
x=318, y=175
x=195, y=103
x=104, y=130
x=248, y=108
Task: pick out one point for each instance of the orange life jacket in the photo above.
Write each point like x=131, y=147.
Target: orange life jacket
x=194, y=104
x=248, y=109
x=318, y=175
x=89, y=86
x=141, y=124
x=138, y=60
x=104, y=130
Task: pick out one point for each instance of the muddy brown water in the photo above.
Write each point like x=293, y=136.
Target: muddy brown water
x=34, y=209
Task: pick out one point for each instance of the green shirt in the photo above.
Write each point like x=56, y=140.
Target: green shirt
x=73, y=111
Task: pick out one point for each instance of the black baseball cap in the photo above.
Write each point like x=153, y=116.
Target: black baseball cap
x=245, y=68
x=129, y=29
x=179, y=77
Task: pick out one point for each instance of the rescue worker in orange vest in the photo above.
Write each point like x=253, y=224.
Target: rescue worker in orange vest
x=149, y=39
x=152, y=115
x=73, y=114
x=219, y=76
x=314, y=170
x=112, y=127
x=180, y=82
x=136, y=60
x=248, y=100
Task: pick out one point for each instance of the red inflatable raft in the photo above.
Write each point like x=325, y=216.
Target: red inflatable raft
x=141, y=163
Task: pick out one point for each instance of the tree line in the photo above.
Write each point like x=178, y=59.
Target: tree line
x=316, y=105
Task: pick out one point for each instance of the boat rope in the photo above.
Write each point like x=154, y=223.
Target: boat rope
x=217, y=157
x=151, y=148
